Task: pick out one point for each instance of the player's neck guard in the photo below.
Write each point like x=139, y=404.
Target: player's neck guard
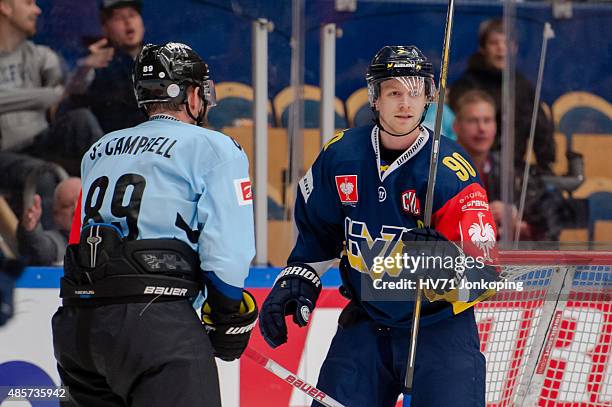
x=160, y=116
x=412, y=150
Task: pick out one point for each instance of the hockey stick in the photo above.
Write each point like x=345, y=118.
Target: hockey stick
x=547, y=34
x=433, y=171
x=290, y=378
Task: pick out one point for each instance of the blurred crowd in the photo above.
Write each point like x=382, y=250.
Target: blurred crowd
x=50, y=117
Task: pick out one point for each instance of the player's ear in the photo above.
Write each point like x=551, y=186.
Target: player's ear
x=5, y=8
x=193, y=98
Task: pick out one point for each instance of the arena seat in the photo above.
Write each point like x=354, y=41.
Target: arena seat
x=584, y=120
x=234, y=106
x=312, y=105
x=582, y=113
x=278, y=157
x=358, y=111
x=600, y=209
x=578, y=235
x=603, y=231
x=280, y=241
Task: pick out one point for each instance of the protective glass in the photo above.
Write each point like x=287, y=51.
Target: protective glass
x=208, y=92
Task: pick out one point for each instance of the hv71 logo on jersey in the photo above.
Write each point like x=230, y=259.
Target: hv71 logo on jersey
x=244, y=192
x=347, y=188
x=410, y=202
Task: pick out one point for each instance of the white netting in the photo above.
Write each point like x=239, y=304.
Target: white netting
x=549, y=344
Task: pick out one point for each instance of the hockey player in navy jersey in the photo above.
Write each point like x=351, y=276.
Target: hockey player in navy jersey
x=363, y=198
x=166, y=213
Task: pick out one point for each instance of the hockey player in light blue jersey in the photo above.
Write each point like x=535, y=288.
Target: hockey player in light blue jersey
x=166, y=213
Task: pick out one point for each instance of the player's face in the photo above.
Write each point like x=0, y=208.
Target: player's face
x=495, y=50
x=475, y=127
x=22, y=14
x=400, y=105
x=125, y=28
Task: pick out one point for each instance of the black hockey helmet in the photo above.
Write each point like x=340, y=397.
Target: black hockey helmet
x=162, y=74
x=399, y=60
x=394, y=61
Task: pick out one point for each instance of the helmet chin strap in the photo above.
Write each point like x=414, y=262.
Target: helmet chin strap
x=379, y=124
x=199, y=119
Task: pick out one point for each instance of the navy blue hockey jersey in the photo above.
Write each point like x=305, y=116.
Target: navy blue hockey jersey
x=350, y=202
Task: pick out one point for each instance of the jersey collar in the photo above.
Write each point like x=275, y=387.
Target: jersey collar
x=410, y=152
x=161, y=116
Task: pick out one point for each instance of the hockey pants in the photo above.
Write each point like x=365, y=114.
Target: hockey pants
x=136, y=354
x=366, y=364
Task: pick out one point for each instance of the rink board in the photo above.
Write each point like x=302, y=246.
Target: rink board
x=26, y=353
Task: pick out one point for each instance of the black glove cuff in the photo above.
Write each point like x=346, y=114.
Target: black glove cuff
x=220, y=303
x=423, y=235
x=244, y=318
x=303, y=272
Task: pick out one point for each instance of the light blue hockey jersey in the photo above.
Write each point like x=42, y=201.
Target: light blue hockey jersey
x=168, y=179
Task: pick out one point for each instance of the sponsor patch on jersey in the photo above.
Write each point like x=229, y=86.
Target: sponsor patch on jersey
x=244, y=193
x=307, y=185
x=347, y=188
x=410, y=202
x=474, y=201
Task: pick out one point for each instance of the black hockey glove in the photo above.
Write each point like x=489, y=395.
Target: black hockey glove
x=295, y=293
x=229, y=323
x=438, y=258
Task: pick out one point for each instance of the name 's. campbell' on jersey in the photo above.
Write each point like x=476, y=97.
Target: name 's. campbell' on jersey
x=165, y=179
x=351, y=200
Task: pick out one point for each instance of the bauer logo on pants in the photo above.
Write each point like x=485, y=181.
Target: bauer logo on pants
x=347, y=188
x=244, y=192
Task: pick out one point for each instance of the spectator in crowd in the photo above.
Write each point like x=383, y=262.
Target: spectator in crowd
x=104, y=78
x=485, y=73
x=40, y=247
x=475, y=127
x=31, y=85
